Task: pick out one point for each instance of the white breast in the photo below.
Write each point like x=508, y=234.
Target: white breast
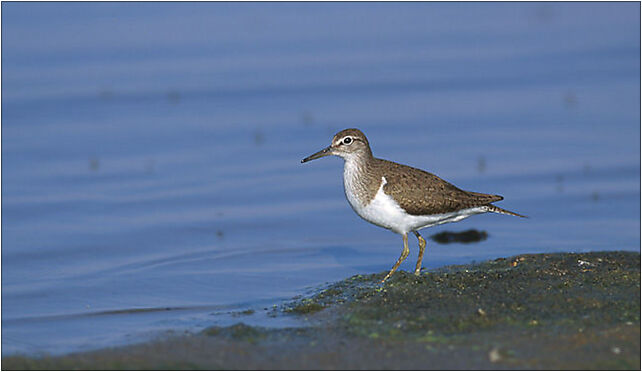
x=385, y=212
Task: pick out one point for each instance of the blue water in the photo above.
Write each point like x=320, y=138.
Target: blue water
x=150, y=151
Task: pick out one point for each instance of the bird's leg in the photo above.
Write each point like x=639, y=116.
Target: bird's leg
x=403, y=256
x=422, y=246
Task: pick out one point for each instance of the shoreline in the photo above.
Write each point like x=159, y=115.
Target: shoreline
x=532, y=311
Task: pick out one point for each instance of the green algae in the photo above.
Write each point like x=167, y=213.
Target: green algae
x=307, y=307
x=346, y=291
x=239, y=331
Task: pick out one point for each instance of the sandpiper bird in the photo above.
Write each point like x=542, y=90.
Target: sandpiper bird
x=398, y=197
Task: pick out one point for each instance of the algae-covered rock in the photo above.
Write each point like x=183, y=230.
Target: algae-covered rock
x=570, y=290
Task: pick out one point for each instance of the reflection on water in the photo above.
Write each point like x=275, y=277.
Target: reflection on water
x=151, y=176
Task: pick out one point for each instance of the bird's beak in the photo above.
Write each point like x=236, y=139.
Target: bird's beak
x=325, y=152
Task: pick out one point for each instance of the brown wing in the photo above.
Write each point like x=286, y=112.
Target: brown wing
x=422, y=193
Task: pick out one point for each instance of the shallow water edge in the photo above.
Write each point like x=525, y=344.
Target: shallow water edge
x=533, y=311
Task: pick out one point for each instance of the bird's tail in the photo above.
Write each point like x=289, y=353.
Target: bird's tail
x=496, y=209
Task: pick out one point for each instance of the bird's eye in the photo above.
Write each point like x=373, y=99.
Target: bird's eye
x=347, y=140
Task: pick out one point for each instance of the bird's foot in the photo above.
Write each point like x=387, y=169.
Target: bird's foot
x=386, y=277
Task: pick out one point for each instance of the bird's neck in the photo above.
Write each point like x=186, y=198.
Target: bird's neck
x=359, y=178
x=356, y=165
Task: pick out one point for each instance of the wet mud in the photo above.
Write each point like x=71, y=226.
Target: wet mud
x=544, y=311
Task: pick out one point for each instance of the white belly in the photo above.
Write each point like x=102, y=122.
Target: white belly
x=385, y=212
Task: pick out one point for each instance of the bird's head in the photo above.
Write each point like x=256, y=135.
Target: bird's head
x=349, y=143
